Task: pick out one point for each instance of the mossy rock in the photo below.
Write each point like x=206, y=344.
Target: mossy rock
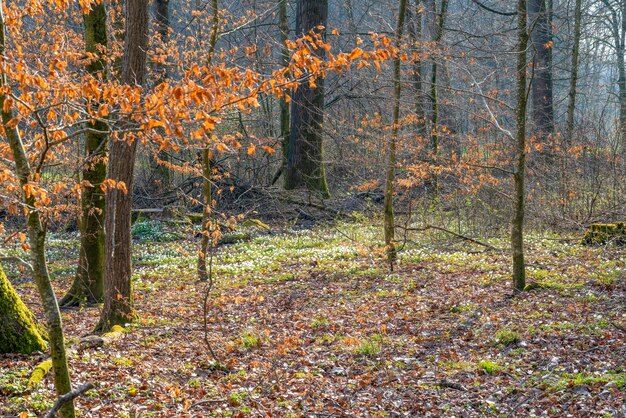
x=600, y=234
x=195, y=218
x=234, y=237
x=255, y=223
x=19, y=333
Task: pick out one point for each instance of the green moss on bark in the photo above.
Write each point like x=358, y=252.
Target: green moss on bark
x=599, y=234
x=19, y=332
x=39, y=372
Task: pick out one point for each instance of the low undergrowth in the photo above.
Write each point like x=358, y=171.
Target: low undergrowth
x=313, y=323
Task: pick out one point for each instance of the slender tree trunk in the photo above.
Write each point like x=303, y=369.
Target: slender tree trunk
x=118, y=301
x=434, y=138
x=284, y=60
x=620, y=41
x=207, y=213
x=517, y=227
x=415, y=30
x=391, y=163
x=618, y=30
x=162, y=22
x=162, y=17
x=571, y=107
x=305, y=163
x=19, y=332
x=88, y=285
x=542, y=89
x=37, y=241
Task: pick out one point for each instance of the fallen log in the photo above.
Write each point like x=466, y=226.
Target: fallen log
x=69, y=396
x=601, y=234
x=91, y=341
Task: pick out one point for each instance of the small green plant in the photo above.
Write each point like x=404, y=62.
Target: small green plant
x=507, y=338
x=368, y=348
x=151, y=230
x=282, y=277
x=566, y=380
x=490, y=367
x=320, y=321
x=237, y=398
x=249, y=340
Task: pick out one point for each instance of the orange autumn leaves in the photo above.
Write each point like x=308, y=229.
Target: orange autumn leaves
x=52, y=98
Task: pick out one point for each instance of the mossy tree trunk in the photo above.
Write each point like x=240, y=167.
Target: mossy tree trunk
x=414, y=15
x=37, y=241
x=434, y=136
x=391, y=162
x=19, y=332
x=88, y=285
x=305, y=153
x=203, y=272
x=517, y=225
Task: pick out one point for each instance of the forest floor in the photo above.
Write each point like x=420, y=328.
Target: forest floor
x=312, y=323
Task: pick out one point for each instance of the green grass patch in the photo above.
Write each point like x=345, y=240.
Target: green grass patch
x=566, y=380
x=489, y=366
x=507, y=338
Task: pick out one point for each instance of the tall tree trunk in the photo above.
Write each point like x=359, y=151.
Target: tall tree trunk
x=541, y=37
x=162, y=17
x=118, y=301
x=305, y=162
x=434, y=138
x=620, y=35
x=517, y=227
x=391, y=163
x=415, y=30
x=618, y=30
x=19, y=332
x=284, y=60
x=571, y=107
x=207, y=213
x=162, y=22
x=37, y=241
x=88, y=285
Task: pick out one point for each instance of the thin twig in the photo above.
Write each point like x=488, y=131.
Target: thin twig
x=68, y=397
x=438, y=228
x=207, y=293
x=17, y=260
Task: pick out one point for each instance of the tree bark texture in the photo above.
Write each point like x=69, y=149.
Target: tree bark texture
x=88, y=285
x=284, y=60
x=391, y=162
x=118, y=301
x=542, y=88
x=517, y=226
x=434, y=138
x=571, y=107
x=305, y=153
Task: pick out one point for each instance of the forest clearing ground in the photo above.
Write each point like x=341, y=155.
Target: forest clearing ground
x=313, y=323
